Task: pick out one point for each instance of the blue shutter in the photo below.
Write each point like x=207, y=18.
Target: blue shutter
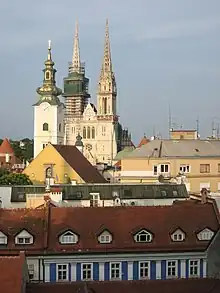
x=153, y=270
x=179, y=268
x=69, y=272
x=78, y=272
x=201, y=268
x=187, y=268
x=163, y=270
x=125, y=270
x=95, y=271
x=53, y=272
x=135, y=270
x=106, y=271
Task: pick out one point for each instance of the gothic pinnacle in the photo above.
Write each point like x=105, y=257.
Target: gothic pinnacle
x=76, y=52
x=107, y=63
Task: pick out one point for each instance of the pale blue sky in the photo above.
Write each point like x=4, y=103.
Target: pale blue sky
x=163, y=51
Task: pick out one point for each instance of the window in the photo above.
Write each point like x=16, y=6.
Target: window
x=24, y=238
x=86, y=272
x=3, y=238
x=194, y=268
x=60, y=127
x=204, y=168
x=205, y=235
x=47, y=75
x=44, y=145
x=45, y=127
x=178, y=235
x=103, y=130
x=115, y=271
x=84, y=132
x=105, y=237
x=68, y=238
x=88, y=132
x=184, y=169
x=155, y=170
x=143, y=236
x=62, y=272
x=31, y=271
x=164, y=168
x=94, y=200
x=93, y=132
x=171, y=268
x=144, y=270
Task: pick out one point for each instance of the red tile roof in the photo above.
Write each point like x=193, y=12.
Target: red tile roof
x=143, y=141
x=158, y=286
x=6, y=148
x=80, y=164
x=11, y=276
x=47, y=224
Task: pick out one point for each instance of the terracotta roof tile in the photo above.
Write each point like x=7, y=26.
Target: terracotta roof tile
x=158, y=286
x=143, y=141
x=6, y=148
x=80, y=164
x=11, y=280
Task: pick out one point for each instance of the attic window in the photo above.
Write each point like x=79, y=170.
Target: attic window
x=143, y=236
x=3, y=238
x=205, y=235
x=68, y=238
x=105, y=237
x=178, y=235
x=23, y=238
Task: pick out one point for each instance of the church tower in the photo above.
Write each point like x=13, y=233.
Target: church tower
x=76, y=84
x=48, y=111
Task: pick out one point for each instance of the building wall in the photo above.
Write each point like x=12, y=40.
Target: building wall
x=142, y=170
x=50, y=157
x=129, y=266
x=184, y=134
x=5, y=197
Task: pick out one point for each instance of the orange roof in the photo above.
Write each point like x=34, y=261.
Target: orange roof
x=144, y=141
x=6, y=148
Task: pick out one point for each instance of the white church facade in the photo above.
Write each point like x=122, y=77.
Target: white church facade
x=60, y=123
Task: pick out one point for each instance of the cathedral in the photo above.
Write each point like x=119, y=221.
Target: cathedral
x=96, y=129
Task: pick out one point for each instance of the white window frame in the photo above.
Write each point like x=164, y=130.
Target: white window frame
x=105, y=237
x=148, y=236
x=94, y=199
x=194, y=264
x=63, y=268
x=205, y=235
x=115, y=267
x=3, y=239
x=185, y=168
x=155, y=170
x=31, y=271
x=68, y=239
x=178, y=236
x=144, y=266
x=24, y=239
x=171, y=264
x=87, y=267
x=164, y=172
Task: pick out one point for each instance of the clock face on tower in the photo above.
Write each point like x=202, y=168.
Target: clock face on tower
x=45, y=106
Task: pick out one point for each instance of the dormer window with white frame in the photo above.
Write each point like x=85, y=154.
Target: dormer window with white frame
x=205, y=235
x=178, y=236
x=143, y=236
x=105, y=237
x=3, y=239
x=68, y=238
x=24, y=238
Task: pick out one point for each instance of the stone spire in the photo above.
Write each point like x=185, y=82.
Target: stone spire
x=76, y=64
x=107, y=62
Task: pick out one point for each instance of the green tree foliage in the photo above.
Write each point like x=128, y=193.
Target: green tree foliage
x=24, y=153
x=14, y=179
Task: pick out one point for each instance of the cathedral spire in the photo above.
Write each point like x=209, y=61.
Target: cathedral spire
x=107, y=62
x=76, y=64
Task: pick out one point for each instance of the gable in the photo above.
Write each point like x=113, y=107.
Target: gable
x=89, y=112
x=22, y=236
x=178, y=235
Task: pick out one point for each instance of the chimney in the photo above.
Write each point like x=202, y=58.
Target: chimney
x=204, y=196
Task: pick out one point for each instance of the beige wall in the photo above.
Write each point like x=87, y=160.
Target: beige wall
x=141, y=170
x=183, y=134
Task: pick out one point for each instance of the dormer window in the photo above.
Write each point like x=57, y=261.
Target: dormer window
x=205, y=235
x=143, y=236
x=68, y=238
x=23, y=238
x=105, y=237
x=3, y=238
x=178, y=235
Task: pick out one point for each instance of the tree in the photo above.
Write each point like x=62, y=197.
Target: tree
x=15, y=179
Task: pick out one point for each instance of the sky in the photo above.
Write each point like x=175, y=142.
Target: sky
x=164, y=52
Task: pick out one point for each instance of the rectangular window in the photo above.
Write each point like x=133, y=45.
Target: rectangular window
x=31, y=271
x=144, y=270
x=94, y=200
x=184, y=169
x=24, y=240
x=62, y=272
x=194, y=268
x=3, y=240
x=164, y=168
x=86, y=272
x=204, y=168
x=171, y=269
x=155, y=170
x=115, y=271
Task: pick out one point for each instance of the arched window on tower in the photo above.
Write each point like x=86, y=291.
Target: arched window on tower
x=88, y=132
x=47, y=75
x=45, y=127
x=93, y=132
x=104, y=105
x=84, y=132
